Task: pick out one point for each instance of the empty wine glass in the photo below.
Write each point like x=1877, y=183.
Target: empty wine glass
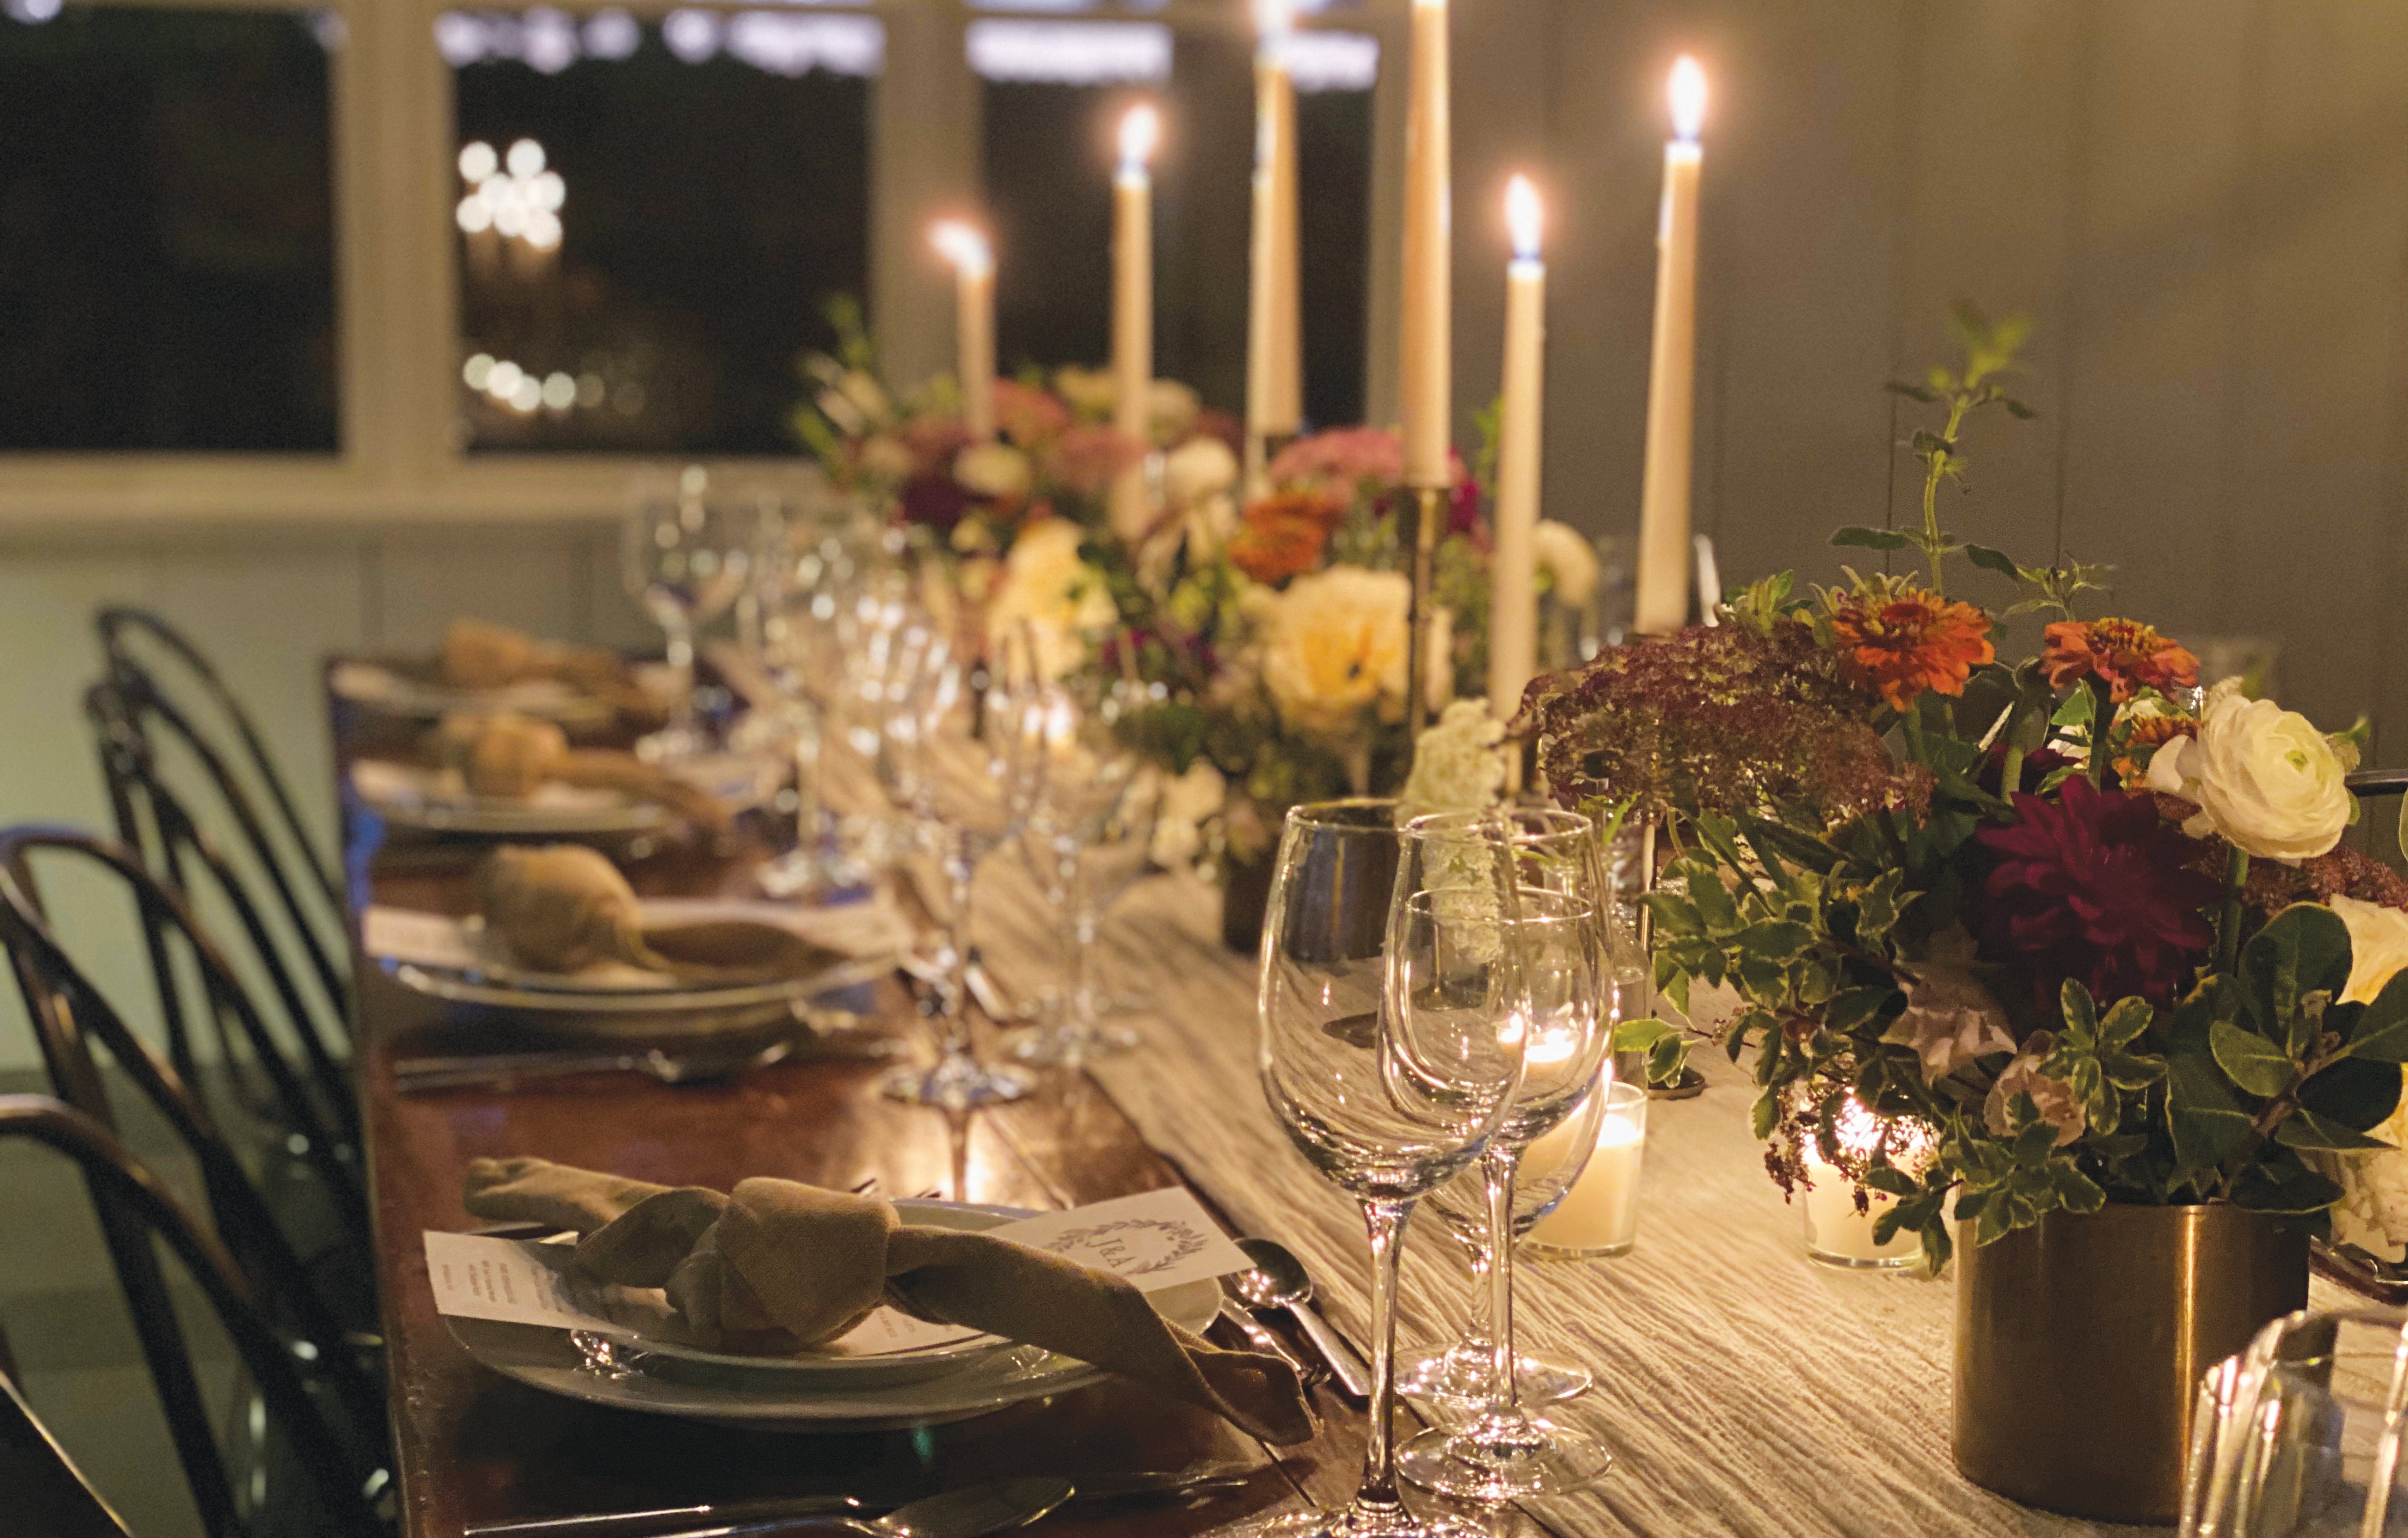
x=685, y=554
x=1561, y=929
x=1090, y=836
x=2299, y=1436
x=1388, y=1053
x=1462, y=1375
x=960, y=755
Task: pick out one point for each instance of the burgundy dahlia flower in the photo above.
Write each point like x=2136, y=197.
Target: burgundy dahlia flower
x=2094, y=886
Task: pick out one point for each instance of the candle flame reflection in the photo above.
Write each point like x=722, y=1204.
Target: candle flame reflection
x=1688, y=98
x=1140, y=132
x=962, y=245
x=1525, y=216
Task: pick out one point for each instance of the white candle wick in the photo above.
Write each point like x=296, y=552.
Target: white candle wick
x=1140, y=133
x=1688, y=99
x=1526, y=217
x=964, y=247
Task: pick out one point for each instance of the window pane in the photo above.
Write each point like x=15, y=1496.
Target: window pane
x=167, y=260
x=1050, y=105
x=708, y=197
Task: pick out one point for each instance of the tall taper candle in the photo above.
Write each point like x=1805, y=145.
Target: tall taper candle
x=1133, y=304
x=973, y=262
x=1662, y=603
x=1513, y=564
x=1274, y=406
x=1427, y=360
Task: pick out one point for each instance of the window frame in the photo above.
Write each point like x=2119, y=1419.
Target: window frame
x=396, y=281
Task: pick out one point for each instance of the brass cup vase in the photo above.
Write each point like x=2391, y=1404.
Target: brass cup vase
x=2081, y=1341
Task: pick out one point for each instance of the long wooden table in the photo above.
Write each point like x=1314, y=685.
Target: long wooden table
x=473, y=1446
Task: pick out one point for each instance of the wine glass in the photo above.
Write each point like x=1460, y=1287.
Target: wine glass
x=1562, y=928
x=1460, y=1376
x=1090, y=836
x=960, y=754
x=685, y=553
x=1388, y=1054
x=2299, y=1436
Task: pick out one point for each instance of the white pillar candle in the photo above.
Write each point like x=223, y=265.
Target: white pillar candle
x=1274, y=404
x=1599, y=1214
x=1427, y=352
x=1133, y=304
x=1836, y=1232
x=1513, y=564
x=1663, y=595
x=973, y=262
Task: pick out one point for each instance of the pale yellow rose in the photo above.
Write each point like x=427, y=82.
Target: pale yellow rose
x=1188, y=802
x=993, y=470
x=1197, y=469
x=1568, y=559
x=886, y=457
x=1335, y=647
x=1049, y=598
x=2378, y=946
x=2262, y=777
x=1171, y=409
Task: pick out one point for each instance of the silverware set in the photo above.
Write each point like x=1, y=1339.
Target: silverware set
x=967, y=1513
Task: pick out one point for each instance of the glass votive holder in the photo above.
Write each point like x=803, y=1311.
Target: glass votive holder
x=1599, y=1217
x=1837, y=1234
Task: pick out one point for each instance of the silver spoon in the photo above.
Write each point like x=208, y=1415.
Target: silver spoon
x=1278, y=1280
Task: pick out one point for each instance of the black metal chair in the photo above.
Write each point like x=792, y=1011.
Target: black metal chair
x=46, y=1492
x=174, y=847
x=340, y=1470
x=69, y=1012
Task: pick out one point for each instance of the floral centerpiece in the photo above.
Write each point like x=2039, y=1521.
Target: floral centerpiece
x=2082, y=934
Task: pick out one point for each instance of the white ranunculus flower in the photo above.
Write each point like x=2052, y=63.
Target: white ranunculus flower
x=1197, y=469
x=1565, y=557
x=2262, y=777
x=1335, y=647
x=1210, y=521
x=993, y=470
x=866, y=394
x=1050, y=597
x=1187, y=803
x=2378, y=946
x=2373, y=1209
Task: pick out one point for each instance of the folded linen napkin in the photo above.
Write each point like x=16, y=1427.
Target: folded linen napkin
x=563, y=907
x=507, y=755
x=776, y=1267
x=477, y=655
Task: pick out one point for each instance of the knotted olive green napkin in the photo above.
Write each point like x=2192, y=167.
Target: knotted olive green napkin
x=564, y=908
x=777, y=1267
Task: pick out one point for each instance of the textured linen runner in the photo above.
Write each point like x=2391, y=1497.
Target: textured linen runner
x=1743, y=1388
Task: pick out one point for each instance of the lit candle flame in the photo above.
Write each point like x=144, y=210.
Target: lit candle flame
x=1140, y=132
x=1688, y=99
x=962, y=245
x=1525, y=216
x=1274, y=17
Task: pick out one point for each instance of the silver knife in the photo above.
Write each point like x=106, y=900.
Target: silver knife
x=956, y=1514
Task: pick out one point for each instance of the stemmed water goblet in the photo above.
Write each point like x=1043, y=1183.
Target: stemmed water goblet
x=1563, y=929
x=1090, y=836
x=685, y=554
x=1390, y=1051
x=959, y=755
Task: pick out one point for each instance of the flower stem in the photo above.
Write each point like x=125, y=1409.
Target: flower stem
x=2103, y=718
x=2228, y=926
x=1936, y=467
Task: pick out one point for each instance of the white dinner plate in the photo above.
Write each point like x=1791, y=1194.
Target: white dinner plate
x=776, y=1394
x=397, y=693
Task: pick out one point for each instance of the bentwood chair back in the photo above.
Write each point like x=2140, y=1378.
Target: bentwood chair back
x=146, y=729
x=46, y=1492
x=334, y=1471
x=70, y=1013
x=174, y=847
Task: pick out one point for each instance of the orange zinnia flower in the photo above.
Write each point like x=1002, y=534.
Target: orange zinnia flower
x=2128, y=655
x=1906, y=640
x=1285, y=534
x=2145, y=737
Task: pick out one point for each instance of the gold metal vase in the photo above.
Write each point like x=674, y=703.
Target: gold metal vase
x=2080, y=1343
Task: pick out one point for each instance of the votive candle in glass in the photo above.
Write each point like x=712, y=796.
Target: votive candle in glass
x=1837, y=1234
x=1598, y=1217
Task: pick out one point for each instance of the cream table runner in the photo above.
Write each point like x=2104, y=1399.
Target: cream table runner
x=1745, y=1389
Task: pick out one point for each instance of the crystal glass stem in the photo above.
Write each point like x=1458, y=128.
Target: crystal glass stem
x=961, y=869
x=1386, y=1222
x=680, y=631
x=1501, y=1164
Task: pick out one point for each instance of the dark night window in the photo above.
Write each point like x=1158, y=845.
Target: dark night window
x=1049, y=83
x=654, y=216
x=167, y=259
